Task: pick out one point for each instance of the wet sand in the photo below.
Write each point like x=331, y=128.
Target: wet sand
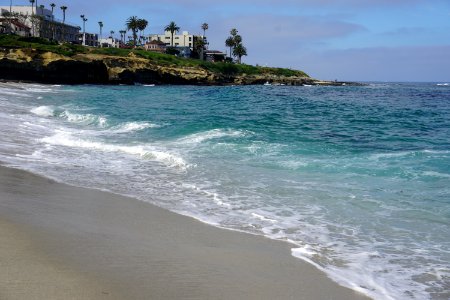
x=64, y=242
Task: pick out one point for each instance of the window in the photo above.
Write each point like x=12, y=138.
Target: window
x=176, y=44
x=190, y=44
x=190, y=39
x=167, y=37
x=177, y=37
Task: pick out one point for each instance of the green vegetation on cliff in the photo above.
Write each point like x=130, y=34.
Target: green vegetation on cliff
x=227, y=69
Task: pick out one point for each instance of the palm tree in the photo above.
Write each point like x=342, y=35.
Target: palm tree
x=133, y=24
x=142, y=24
x=100, y=24
x=235, y=43
x=229, y=42
x=52, y=5
x=205, y=27
x=32, y=6
x=112, y=34
x=32, y=14
x=84, y=28
x=239, y=51
x=64, y=8
x=200, y=47
x=172, y=27
x=122, y=35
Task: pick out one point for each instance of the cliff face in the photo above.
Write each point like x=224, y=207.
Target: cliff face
x=30, y=65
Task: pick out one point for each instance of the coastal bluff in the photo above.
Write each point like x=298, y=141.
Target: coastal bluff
x=27, y=64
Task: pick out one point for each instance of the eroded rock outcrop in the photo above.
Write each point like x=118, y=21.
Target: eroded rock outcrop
x=48, y=67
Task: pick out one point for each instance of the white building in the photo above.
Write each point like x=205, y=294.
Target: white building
x=185, y=39
x=44, y=24
x=109, y=43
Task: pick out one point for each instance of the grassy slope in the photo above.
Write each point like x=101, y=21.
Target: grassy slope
x=10, y=41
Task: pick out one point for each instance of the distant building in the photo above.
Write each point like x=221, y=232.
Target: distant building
x=15, y=26
x=155, y=46
x=185, y=39
x=43, y=24
x=109, y=43
x=91, y=39
x=215, y=56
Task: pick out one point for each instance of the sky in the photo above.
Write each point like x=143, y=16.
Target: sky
x=357, y=40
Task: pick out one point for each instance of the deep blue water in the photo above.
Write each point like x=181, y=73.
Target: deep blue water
x=357, y=178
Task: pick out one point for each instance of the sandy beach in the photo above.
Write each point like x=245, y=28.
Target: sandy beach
x=64, y=242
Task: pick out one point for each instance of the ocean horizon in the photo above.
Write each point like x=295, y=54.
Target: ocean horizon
x=356, y=178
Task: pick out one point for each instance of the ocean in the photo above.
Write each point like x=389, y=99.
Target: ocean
x=356, y=178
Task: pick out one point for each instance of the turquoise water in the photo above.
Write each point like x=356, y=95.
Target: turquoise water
x=356, y=178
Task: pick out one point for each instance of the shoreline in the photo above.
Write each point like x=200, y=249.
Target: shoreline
x=92, y=245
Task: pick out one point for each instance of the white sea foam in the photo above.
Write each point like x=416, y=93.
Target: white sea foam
x=133, y=126
x=263, y=218
x=436, y=174
x=144, y=151
x=44, y=111
x=200, y=137
x=85, y=119
x=215, y=196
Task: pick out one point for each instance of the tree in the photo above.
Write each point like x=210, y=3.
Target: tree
x=64, y=8
x=229, y=42
x=32, y=14
x=112, y=34
x=100, y=24
x=235, y=43
x=52, y=5
x=200, y=47
x=204, y=28
x=84, y=19
x=172, y=27
x=239, y=51
x=133, y=25
x=122, y=35
x=142, y=24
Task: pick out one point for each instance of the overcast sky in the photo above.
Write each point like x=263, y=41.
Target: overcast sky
x=365, y=40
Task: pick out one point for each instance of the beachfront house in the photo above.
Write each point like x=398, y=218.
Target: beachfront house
x=155, y=46
x=43, y=24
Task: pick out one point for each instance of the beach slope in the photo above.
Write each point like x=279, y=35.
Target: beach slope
x=64, y=242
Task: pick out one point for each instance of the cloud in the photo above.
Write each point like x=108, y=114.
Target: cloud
x=279, y=28
x=267, y=34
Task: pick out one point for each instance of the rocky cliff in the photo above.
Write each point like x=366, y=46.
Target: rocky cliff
x=48, y=67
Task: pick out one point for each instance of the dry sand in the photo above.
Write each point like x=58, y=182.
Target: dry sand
x=64, y=242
